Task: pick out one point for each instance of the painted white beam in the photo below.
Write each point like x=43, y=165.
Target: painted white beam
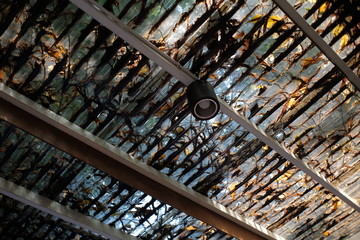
x=318, y=41
x=122, y=30
x=59, y=132
x=276, y=146
x=355, y=236
x=37, y=201
x=111, y=22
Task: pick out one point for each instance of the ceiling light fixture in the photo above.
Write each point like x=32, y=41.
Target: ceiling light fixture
x=202, y=100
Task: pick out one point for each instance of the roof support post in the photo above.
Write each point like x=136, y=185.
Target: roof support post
x=59, y=132
x=110, y=21
x=318, y=41
x=35, y=200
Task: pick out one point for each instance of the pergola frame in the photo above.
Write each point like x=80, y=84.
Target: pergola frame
x=64, y=135
x=120, y=29
x=40, y=122
x=318, y=41
x=53, y=208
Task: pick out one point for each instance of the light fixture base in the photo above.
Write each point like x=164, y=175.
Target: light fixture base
x=202, y=100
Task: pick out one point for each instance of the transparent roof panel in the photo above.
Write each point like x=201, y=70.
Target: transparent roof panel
x=257, y=60
x=21, y=221
x=338, y=26
x=39, y=167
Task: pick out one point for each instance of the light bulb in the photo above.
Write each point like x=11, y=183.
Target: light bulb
x=204, y=104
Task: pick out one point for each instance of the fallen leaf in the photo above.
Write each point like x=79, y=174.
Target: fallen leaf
x=285, y=176
x=309, y=61
x=187, y=151
x=2, y=75
x=144, y=71
x=324, y=7
x=191, y=228
x=214, y=76
x=337, y=30
x=265, y=148
x=232, y=188
x=272, y=20
x=256, y=18
x=239, y=35
x=344, y=40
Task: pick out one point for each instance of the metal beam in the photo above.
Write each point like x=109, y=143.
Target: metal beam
x=35, y=200
x=111, y=22
x=59, y=132
x=122, y=30
x=276, y=146
x=318, y=41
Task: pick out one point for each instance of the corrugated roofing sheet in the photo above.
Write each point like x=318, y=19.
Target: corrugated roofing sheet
x=258, y=61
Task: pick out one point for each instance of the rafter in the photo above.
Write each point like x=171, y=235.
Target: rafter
x=174, y=68
x=37, y=201
x=318, y=41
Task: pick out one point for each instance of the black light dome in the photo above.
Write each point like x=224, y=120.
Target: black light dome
x=202, y=100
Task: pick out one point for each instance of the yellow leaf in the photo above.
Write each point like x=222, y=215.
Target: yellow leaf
x=150, y=159
x=309, y=61
x=144, y=71
x=187, y=151
x=58, y=52
x=162, y=48
x=324, y=7
x=232, y=188
x=291, y=102
x=265, y=147
x=344, y=40
x=191, y=228
x=239, y=35
x=327, y=233
x=272, y=20
x=256, y=18
x=178, y=129
x=214, y=76
x=335, y=204
x=337, y=30
x=162, y=156
x=216, y=124
x=285, y=176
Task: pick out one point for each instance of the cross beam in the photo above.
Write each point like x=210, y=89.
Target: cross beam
x=37, y=201
x=59, y=132
x=111, y=22
x=318, y=41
